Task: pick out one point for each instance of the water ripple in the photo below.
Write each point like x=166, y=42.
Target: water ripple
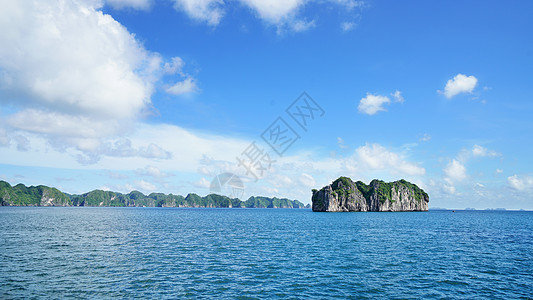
x=263, y=253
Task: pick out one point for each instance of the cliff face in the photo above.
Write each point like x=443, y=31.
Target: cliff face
x=345, y=195
x=31, y=196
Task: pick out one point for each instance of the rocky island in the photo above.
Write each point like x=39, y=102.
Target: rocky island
x=21, y=195
x=345, y=195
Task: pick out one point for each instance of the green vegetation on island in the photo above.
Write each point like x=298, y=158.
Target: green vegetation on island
x=20, y=195
x=343, y=194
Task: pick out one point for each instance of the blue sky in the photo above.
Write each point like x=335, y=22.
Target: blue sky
x=165, y=95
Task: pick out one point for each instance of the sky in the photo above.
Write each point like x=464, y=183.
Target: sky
x=283, y=95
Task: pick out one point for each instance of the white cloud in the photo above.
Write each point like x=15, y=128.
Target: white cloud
x=459, y=84
x=455, y=171
x=341, y=143
x=89, y=80
x=377, y=157
x=426, y=137
x=274, y=11
x=202, y=183
x=372, y=104
x=5, y=140
x=301, y=25
x=520, y=182
x=23, y=144
x=174, y=66
x=307, y=180
x=479, y=151
x=86, y=61
x=152, y=171
x=284, y=14
x=449, y=188
x=279, y=180
x=347, y=26
x=183, y=87
x=499, y=171
x=135, y=4
x=210, y=11
x=88, y=84
x=349, y=4
x=122, y=147
x=145, y=185
x=397, y=95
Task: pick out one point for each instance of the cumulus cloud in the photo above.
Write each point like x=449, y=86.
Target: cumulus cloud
x=455, y=171
x=479, y=151
x=88, y=78
x=459, y=84
x=186, y=85
x=88, y=84
x=520, y=182
x=209, y=11
x=175, y=65
x=371, y=104
x=397, y=95
x=283, y=14
x=86, y=61
x=183, y=87
x=274, y=11
x=449, y=188
x=377, y=157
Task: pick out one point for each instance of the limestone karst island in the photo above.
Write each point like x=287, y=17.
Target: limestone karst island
x=345, y=195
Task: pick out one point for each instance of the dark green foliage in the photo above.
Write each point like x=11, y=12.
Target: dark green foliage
x=418, y=193
x=383, y=189
x=366, y=190
x=344, y=187
x=20, y=195
x=265, y=202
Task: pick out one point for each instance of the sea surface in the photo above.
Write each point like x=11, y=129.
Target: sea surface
x=76, y=252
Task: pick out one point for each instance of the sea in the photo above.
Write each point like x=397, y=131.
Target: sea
x=178, y=253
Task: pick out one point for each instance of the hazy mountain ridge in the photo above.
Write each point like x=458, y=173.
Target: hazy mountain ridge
x=21, y=195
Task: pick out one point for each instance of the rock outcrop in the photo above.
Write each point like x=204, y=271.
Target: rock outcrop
x=345, y=195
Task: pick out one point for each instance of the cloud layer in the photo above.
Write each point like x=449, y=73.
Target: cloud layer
x=89, y=81
x=283, y=14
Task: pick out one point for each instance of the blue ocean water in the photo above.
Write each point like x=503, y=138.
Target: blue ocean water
x=263, y=253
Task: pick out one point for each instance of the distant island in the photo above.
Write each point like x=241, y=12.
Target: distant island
x=345, y=195
x=21, y=195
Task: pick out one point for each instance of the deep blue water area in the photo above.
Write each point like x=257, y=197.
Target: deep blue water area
x=77, y=252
